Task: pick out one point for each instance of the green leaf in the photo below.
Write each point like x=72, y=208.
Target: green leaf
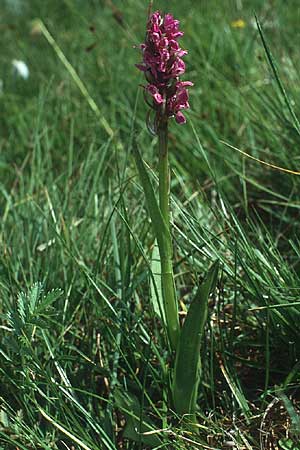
x=22, y=307
x=294, y=416
x=289, y=444
x=161, y=231
x=34, y=295
x=48, y=299
x=155, y=284
x=136, y=430
x=164, y=241
x=187, y=369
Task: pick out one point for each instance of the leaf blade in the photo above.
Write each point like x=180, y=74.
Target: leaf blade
x=155, y=285
x=187, y=369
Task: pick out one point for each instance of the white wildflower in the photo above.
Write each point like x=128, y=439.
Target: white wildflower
x=20, y=68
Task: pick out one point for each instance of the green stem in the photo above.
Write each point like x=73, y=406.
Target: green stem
x=166, y=253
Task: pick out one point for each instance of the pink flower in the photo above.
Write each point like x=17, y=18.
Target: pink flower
x=179, y=101
x=163, y=65
x=154, y=92
x=179, y=117
x=171, y=27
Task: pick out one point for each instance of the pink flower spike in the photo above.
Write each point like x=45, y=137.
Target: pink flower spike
x=163, y=65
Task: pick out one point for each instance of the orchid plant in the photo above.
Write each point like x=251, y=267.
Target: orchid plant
x=167, y=96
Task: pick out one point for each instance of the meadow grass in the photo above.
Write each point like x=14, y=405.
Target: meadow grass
x=83, y=354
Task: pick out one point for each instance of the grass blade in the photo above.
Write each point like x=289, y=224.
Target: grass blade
x=277, y=77
x=94, y=107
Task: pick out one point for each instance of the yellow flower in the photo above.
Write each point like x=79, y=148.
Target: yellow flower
x=240, y=23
